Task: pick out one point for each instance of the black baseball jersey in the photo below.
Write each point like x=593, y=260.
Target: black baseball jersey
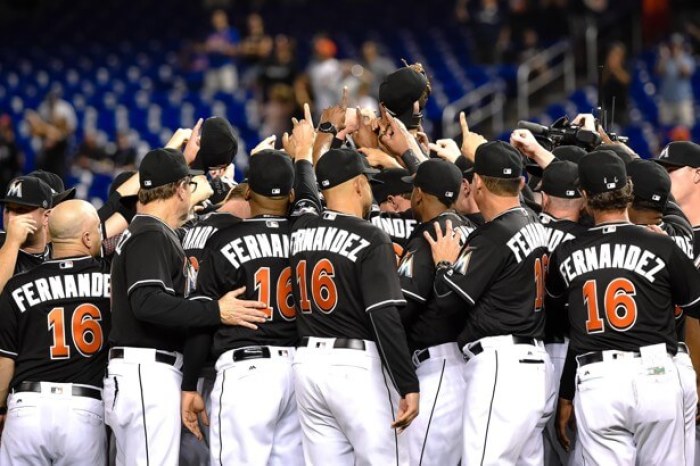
x=254, y=254
x=427, y=325
x=558, y=231
x=696, y=246
x=343, y=268
x=54, y=322
x=149, y=254
x=679, y=230
x=25, y=260
x=500, y=276
x=194, y=235
x=399, y=226
x=621, y=282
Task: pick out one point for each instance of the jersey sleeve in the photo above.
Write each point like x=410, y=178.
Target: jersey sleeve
x=307, y=200
x=685, y=282
x=148, y=262
x=9, y=346
x=379, y=283
x=417, y=272
x=477, y=265
x=554, y=282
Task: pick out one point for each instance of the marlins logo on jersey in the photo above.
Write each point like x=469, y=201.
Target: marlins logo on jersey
x=462, y=261
x=406, y=265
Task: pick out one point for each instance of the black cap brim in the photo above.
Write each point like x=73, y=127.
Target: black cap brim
x=196, y=172
x=668, y=163
x=20, y=202
x=534, y=170
x=408, y=179
x=66, y=195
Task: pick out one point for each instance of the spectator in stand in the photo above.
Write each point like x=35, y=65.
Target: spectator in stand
x=489, y=32
x=55, y=122
x=278, y=111
x=11, y=159
x=124, y=155
x=378, y=65
x=676, y=67
x=222, y=47
x=616, y=80
x=324, y=74
x=280, y=67
x=91, y=153
x=254, y=49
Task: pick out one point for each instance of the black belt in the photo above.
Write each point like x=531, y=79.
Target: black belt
x=554, y=340
x=477, y=348
x=597, y=356
x=165, y=358
x=421, y=356
x=339, y=343
x=75, y=390
x=251, y=352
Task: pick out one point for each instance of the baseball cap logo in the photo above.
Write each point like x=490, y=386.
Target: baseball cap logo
x=147, y=183
x=325, y=183
x=655, y=197
x=664, y=153
x=276, y=190
x=15, y=190
x=507, y=171
x=570, y=192
x=449, y=194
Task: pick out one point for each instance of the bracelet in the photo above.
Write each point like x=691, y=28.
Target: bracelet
x=443, y=265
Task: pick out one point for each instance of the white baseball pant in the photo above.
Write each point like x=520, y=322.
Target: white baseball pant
x=435, y=436
x=254, y=413
x=346, y=406
x=142, y=406
x=53, y=428
x=554, y=453
x=629, y=409
x=509, y=398
x=687, y=377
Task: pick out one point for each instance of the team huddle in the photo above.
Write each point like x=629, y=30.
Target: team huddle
x=363, y=297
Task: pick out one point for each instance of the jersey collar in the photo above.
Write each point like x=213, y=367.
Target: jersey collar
x=63, y=259
x=156, y=218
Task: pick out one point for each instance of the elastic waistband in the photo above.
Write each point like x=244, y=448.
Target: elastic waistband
x=446, y=351
x=141, y=355
x=59, y=389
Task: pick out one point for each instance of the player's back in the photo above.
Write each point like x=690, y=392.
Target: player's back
x=333, y=260
x=56, y=319
x=253, y=253
x=620, y=285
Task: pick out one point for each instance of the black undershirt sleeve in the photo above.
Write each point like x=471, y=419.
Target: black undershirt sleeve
x=393, y=349
x=197, y=346
x=567, y=384
x=411, y=161
x=153, y=304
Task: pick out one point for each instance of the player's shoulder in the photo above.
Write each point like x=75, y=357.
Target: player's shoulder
x=676, y=225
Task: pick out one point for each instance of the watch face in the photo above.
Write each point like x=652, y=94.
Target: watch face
x=326, y=127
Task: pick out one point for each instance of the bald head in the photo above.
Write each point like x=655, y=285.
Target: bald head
x=74, y=227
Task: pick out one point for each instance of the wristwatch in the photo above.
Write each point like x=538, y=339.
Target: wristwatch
x=328, y=128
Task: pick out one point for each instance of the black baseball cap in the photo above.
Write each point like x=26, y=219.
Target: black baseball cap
x=119, y=180
x=218, y=144
x=498, y=159
x=679, y=154
x=601, y=171
x=650, y=182
x=162, y=166
x=340, y=165
x=400, y=90
x=28, y=191
x=567, y=153
x=466, y=166
x=391, y=184
x=438, y=177
x=271, y=173
x=58, y=189
x=560, y=179
x=618, y=150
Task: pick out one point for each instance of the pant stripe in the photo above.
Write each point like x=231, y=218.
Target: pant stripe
x=430, y=419
x=143, y=416
x=488, y=422
x=393, y=417
x=221, y=406
x=680, y=382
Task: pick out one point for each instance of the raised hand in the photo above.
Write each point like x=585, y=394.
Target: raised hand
x=266, y=144
x=446, y=149
x=365, y=136
x=470, y=141
x=192, y=147
x=301, y=142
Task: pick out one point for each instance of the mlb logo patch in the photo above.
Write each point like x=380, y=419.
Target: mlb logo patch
x=325, y=183
x=611, y=185
x=571, y=193
x=655, y=197
x=507, y=171
x=148, y=183
x=65, y=265
x=449, y=194
x=276, y=191
x=272, y=224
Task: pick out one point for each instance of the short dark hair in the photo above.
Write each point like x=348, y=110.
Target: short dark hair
x=163, y=192
x=618, y=199
x=502, y=186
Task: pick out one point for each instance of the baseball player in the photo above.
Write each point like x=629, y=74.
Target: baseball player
x=561, y=208
x=435, y=438
x=393, y=212
x=255, y=362
x=151, y=277
x=621, y=282
x=54, y=320
x=497, y=281
x=347, y=292
x=26, y=202
x=58, y=189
